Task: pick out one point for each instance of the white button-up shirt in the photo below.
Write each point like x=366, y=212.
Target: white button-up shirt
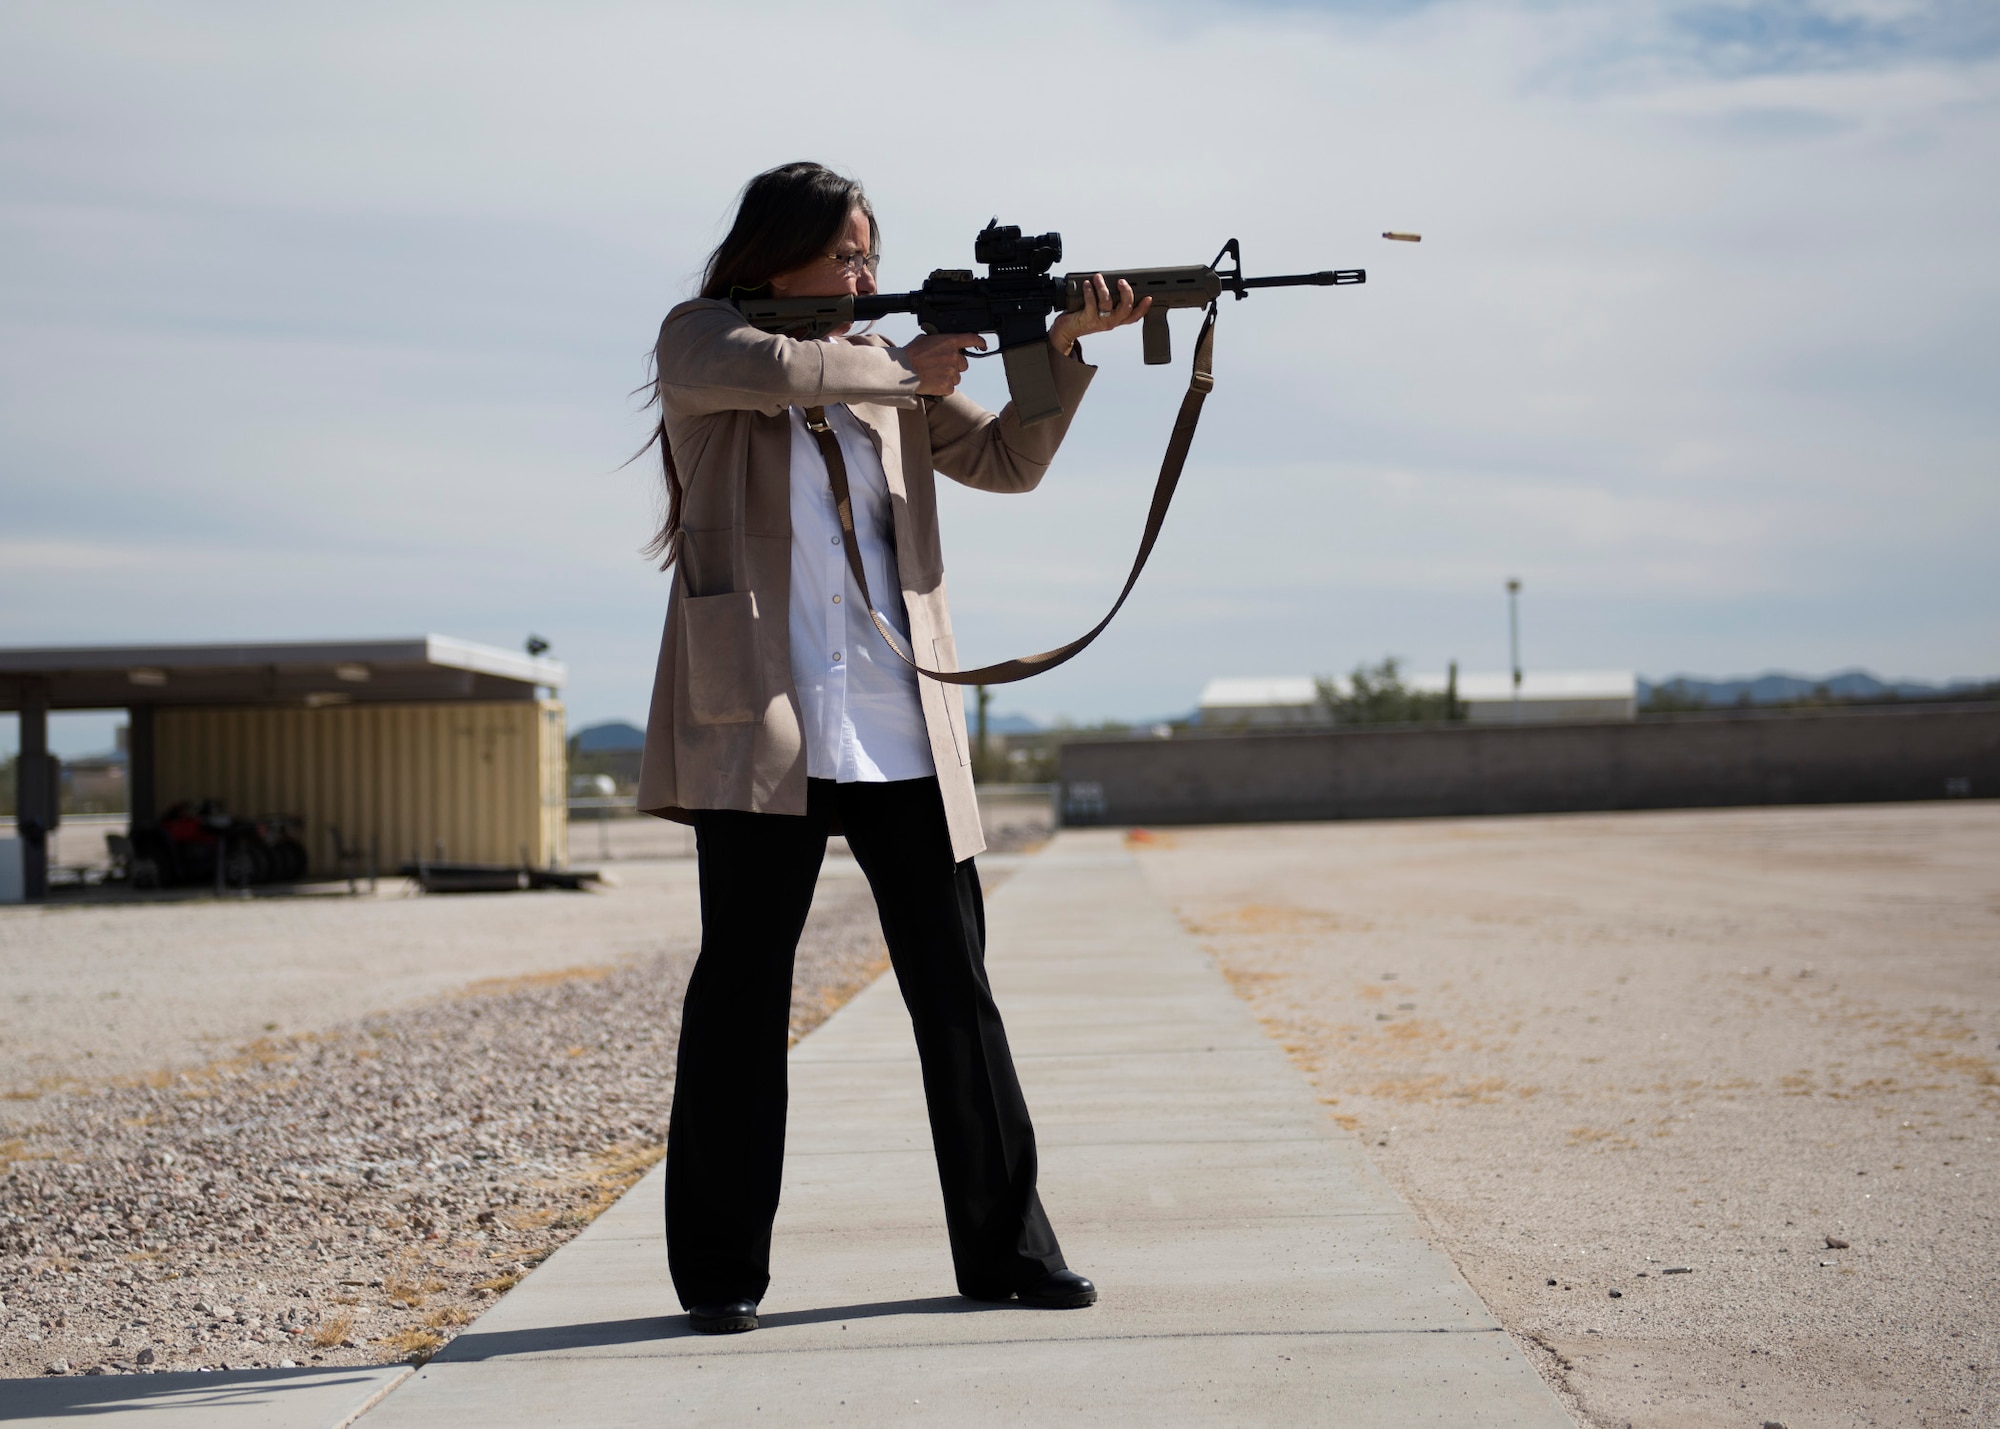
x=858, y=704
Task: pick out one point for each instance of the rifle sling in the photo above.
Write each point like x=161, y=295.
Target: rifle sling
x=1200, y=382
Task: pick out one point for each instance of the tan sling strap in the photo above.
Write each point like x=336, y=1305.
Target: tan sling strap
x=1200, y=382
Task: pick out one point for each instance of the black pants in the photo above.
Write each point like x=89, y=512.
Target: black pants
x=726, y=1144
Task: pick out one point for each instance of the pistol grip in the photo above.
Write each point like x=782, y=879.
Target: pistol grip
x=1159, y=345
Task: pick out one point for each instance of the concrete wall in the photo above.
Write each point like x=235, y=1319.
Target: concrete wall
x=485, y=780
x=1551, y=711
x=1687, y=761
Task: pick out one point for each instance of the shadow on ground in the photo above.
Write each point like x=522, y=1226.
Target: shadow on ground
x=196, y=1397
x=602, y=1334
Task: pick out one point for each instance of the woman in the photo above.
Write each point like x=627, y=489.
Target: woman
x=780, y=715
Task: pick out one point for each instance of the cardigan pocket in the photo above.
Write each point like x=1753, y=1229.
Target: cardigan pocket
x=723, y=660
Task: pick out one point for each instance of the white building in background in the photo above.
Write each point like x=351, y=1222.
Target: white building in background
x=1547, y=697
x=1262, y=701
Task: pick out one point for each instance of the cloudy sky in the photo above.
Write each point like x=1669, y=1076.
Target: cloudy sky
x=324, y=320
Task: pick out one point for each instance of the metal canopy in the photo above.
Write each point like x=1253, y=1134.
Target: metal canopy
x=311, y=672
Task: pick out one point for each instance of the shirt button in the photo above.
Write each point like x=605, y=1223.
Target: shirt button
x=836, y=657
x=836, y=600
x=834, y=539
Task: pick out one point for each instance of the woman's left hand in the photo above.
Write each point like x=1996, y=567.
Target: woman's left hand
x=1100, y=313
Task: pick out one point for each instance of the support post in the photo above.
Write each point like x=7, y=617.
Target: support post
x=35, y=792
x=141, y=780
x=1514, y=638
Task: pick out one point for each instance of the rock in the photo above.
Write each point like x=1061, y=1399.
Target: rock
x=1552, y=1282
x=1834, y=1242
x=1618, y=1295
x=57, y=1367
x=1678, y=1270
x=145, y=1356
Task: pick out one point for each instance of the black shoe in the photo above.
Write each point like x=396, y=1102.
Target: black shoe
x=1061, y=1290
x=725, y=1317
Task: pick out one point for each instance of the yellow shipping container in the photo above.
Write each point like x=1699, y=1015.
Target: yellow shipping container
x=472, y=782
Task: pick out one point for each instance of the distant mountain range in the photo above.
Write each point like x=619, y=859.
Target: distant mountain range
x=1777, y=688
x=613, y=737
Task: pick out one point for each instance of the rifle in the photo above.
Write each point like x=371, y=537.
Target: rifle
x=1017, y=298
x=1015, y=301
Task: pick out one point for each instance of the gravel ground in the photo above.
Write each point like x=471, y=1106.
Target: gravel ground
x=100, y=986
x=92, y=991
x=1704, y=1105
x=357, y=1192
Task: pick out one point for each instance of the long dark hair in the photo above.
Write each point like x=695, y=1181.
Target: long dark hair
x=785, y=218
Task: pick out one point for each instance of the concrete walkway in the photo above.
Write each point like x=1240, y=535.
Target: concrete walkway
x=1254, y=1268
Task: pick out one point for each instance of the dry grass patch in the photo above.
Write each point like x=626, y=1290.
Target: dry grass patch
x=449, y=1318
x=1978, y=1068
x=615, y=1170
x=329, y=1334
x=1243, y=979
x=409, y=1283
x=499, y=986
x=415, y=1345
x=43, y=1086
x=1483, y=1092
x=1254, y=919
x=1409, y=1089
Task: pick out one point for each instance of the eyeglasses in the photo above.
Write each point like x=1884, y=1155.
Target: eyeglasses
x=853, y=264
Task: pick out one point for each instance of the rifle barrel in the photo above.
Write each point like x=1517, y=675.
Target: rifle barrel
x=1337, y=278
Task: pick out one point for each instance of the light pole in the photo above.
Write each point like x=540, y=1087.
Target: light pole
x=982, y=766
x=1514, y=638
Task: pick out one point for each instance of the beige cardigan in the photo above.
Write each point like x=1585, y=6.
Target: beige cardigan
x=724, y=730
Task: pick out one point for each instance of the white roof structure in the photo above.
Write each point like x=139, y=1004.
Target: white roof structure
x=417, y=667
x=1547, y=696
x=1234, y=692
x=1538, y=685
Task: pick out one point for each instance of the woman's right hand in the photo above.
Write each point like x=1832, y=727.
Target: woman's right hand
x=938, y=359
